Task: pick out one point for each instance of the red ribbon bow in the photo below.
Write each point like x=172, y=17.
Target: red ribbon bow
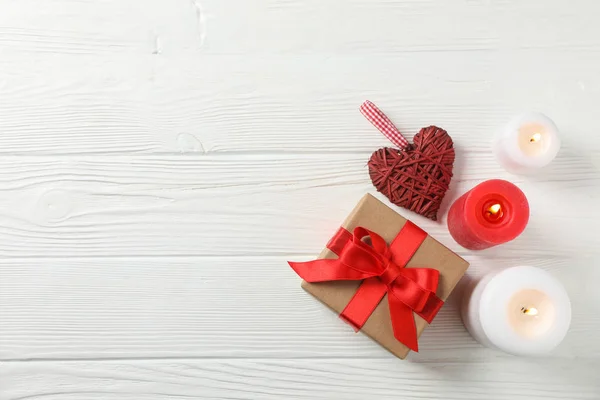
x=382, y=269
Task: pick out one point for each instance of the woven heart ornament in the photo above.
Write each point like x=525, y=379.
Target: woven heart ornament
x=415, y=176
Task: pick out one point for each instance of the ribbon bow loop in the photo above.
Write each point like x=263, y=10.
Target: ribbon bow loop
x=364, y=255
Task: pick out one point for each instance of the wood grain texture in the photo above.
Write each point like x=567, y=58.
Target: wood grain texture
x=226, y=307
x=247, y=205
x=294, y=27
x=161, y=160
x=504, y=378
x=196, y=104
x=397, y=26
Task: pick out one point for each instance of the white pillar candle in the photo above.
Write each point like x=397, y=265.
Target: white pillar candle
x=520, y=310
x=527, y=143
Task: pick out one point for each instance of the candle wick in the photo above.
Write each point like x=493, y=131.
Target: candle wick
x=529, y=311
x=493, y=209
x=536, y=137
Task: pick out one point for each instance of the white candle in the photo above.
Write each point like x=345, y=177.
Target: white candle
x=520, y=310
x=528, y=142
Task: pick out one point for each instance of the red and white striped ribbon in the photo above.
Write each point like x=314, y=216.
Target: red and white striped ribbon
x=383, y=123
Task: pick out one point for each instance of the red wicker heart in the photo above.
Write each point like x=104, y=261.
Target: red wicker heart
x=416, y=178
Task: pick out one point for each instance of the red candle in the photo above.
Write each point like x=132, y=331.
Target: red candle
x=492, y=213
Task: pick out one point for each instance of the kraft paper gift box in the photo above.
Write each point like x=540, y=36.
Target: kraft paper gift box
x=375, y=216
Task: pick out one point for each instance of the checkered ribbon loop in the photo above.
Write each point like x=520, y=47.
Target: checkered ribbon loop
x=383, y=123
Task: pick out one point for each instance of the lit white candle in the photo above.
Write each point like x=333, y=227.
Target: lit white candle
x=528, y=142
x=520, y=310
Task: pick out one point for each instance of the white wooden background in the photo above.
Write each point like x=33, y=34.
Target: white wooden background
x=160, y=160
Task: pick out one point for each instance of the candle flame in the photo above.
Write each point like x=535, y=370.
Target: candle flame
x=494, y=209
x=535, y=138
x=530, y=311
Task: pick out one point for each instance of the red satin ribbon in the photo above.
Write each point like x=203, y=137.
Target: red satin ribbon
x=382, y=270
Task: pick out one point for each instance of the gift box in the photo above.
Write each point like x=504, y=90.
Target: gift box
x=384, y=275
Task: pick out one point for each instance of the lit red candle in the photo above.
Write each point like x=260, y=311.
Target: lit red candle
x=492, y=213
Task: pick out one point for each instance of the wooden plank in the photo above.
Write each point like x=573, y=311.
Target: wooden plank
x=107, y=308
x=498, y=379
x=90, y=104
x=400, y=26
x=253, y=205
x=117, y=27
x=113, y=27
